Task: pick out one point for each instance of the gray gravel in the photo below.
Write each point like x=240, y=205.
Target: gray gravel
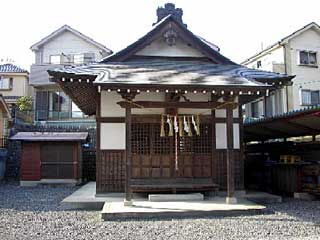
x=34, y=213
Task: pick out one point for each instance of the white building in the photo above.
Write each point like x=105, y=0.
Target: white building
x=296, y=55
x=65, y=46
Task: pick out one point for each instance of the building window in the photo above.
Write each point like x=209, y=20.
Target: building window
x=307, y=58
x=309, y=97
x=255, y=110
x=78, y=58
x=259, y=64
x=55, y=59
x=6, y=83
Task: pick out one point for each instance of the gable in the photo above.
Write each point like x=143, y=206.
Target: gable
x=160, y=48
x=68, y=43
x=184, y=44
x=309, y=38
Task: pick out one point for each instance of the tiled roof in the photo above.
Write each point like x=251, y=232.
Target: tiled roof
x=173, y=73
x=10, y=68
x=50, y=136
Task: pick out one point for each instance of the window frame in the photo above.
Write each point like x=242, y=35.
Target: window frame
x=10, y=83
x=55, y=55
x=310, y=102
x=77, y=55
x=308, y=58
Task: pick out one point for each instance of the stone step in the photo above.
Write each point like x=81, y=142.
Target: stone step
x=175, y=197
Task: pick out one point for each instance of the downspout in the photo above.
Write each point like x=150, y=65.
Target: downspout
x=286, y=72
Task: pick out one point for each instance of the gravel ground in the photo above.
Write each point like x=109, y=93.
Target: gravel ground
x=33, y=213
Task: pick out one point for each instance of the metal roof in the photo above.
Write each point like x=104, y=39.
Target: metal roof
x=50, y=136
x=303, y=122
x=10, y=68
x=166, y=72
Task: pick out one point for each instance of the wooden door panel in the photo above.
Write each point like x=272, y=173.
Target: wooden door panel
x=57, y=160
x=154, y=156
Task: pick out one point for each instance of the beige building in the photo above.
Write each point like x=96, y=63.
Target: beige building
x=14, y=83
x=296, y=55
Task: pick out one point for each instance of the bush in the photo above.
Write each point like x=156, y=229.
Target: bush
x=25, y=103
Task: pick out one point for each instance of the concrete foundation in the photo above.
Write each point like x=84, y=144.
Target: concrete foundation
x=175, y=197
x=304, y=196
x=231, y=200
x=69, y=182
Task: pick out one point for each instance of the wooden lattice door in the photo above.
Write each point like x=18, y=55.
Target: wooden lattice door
x=154, y=156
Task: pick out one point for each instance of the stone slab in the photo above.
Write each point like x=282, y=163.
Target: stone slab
x=143, y=209
x=263, y=197
x=175, y=197
x=304, y=196
x=85, y=198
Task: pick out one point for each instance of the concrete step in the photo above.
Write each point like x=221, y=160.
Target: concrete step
x=175, y=197
x=146, y=209
x=263, y=197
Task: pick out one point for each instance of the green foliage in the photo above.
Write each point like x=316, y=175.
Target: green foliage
x=25, y=103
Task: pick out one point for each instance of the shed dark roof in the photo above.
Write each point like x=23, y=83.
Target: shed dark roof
x=296, y=123
x=10, y=68
x=161, y=72
x=50, y=136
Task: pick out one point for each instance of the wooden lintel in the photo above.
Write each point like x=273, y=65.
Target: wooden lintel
x=199, y=105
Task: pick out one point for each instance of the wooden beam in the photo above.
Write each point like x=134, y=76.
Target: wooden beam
x=230, y=155
x=303, y=127
x=154, y=104
x=128, y=191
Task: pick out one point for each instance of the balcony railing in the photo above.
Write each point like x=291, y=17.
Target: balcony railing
x=43, y=115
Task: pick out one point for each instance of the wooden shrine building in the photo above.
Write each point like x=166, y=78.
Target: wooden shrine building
x=168, y=111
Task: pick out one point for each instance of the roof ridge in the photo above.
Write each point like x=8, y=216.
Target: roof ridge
x=11, y=68
x=280, y=41
x=200, y=41
x=74, y=31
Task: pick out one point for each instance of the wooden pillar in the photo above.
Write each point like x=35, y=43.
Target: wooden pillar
x=230, y=158
x=128, y=191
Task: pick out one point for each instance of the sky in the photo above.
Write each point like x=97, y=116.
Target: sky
x=239, y=28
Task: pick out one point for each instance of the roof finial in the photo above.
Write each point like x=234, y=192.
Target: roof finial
x=169, y=9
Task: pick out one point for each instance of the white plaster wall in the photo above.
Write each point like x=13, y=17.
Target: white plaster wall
x=67, y=43
x=268, y=60
x=196, y=97
x=109, y=106
x=160, y=48
x=113, y=136
x=222, y=113
x=144, y=96
x=306, y=77
x=221, y=135
x=236, y=136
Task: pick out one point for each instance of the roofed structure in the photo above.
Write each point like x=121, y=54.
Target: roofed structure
x=11, y=68
x=50, y=136
x=128, y=67
x=298, y=123
x=169, y=96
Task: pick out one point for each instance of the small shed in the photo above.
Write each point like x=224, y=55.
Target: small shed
x=50, y=157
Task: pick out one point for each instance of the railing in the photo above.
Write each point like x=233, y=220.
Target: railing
x=24, y=116
x=4, y=142
x=43, y=115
